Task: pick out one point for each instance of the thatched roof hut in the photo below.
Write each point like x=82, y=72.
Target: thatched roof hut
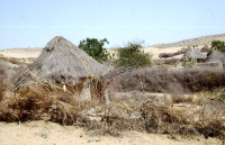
x=188, y=48
x=61, y=61
x=205, y=48
x=62, y=66
x=215, y=56
x=184, y=50
x=194, y=53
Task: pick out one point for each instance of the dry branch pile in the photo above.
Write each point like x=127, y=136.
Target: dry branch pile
x=166, y=61
x=182, y=51
x=165, y=55
x=168, y=81
x=176, y=114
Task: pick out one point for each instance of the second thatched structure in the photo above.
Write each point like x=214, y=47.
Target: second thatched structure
x=194, y=53
x=215, y=56
x=184, y=50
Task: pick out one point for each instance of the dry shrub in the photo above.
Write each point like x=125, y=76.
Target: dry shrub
x=3, y=75
x=181, y=114
x=7, y=75
x=177, y=114
x=7, y=85
x=50, y=99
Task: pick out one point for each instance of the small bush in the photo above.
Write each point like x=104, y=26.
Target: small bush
x=134, y=56
x=219, y=45
x=220, y=94
x=190, y=62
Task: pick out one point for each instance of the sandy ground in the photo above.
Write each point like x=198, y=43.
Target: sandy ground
x=20, y=55
x=49, y=133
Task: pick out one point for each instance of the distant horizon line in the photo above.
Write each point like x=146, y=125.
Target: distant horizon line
x=190, y=39
x=119, y=46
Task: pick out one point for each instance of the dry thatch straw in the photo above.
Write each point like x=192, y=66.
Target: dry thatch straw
x=215, y=56
x=195, y=53
x=205, y=48
x=61, y=61
x=184, y=50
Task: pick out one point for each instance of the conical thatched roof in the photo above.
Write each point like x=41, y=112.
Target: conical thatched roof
x=194, y=53
x=188, y=48
x=184, y=50
x=205, y=48
x=215, y=56
x=62, y=61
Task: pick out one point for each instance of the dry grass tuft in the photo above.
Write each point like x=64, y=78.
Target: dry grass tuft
x=12, y=61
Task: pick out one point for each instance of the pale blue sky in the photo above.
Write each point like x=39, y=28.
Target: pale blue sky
x=30, y=23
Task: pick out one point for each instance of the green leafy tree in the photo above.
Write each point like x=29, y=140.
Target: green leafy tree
x=219, y=45
x=133, y=55
x=94, y=48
